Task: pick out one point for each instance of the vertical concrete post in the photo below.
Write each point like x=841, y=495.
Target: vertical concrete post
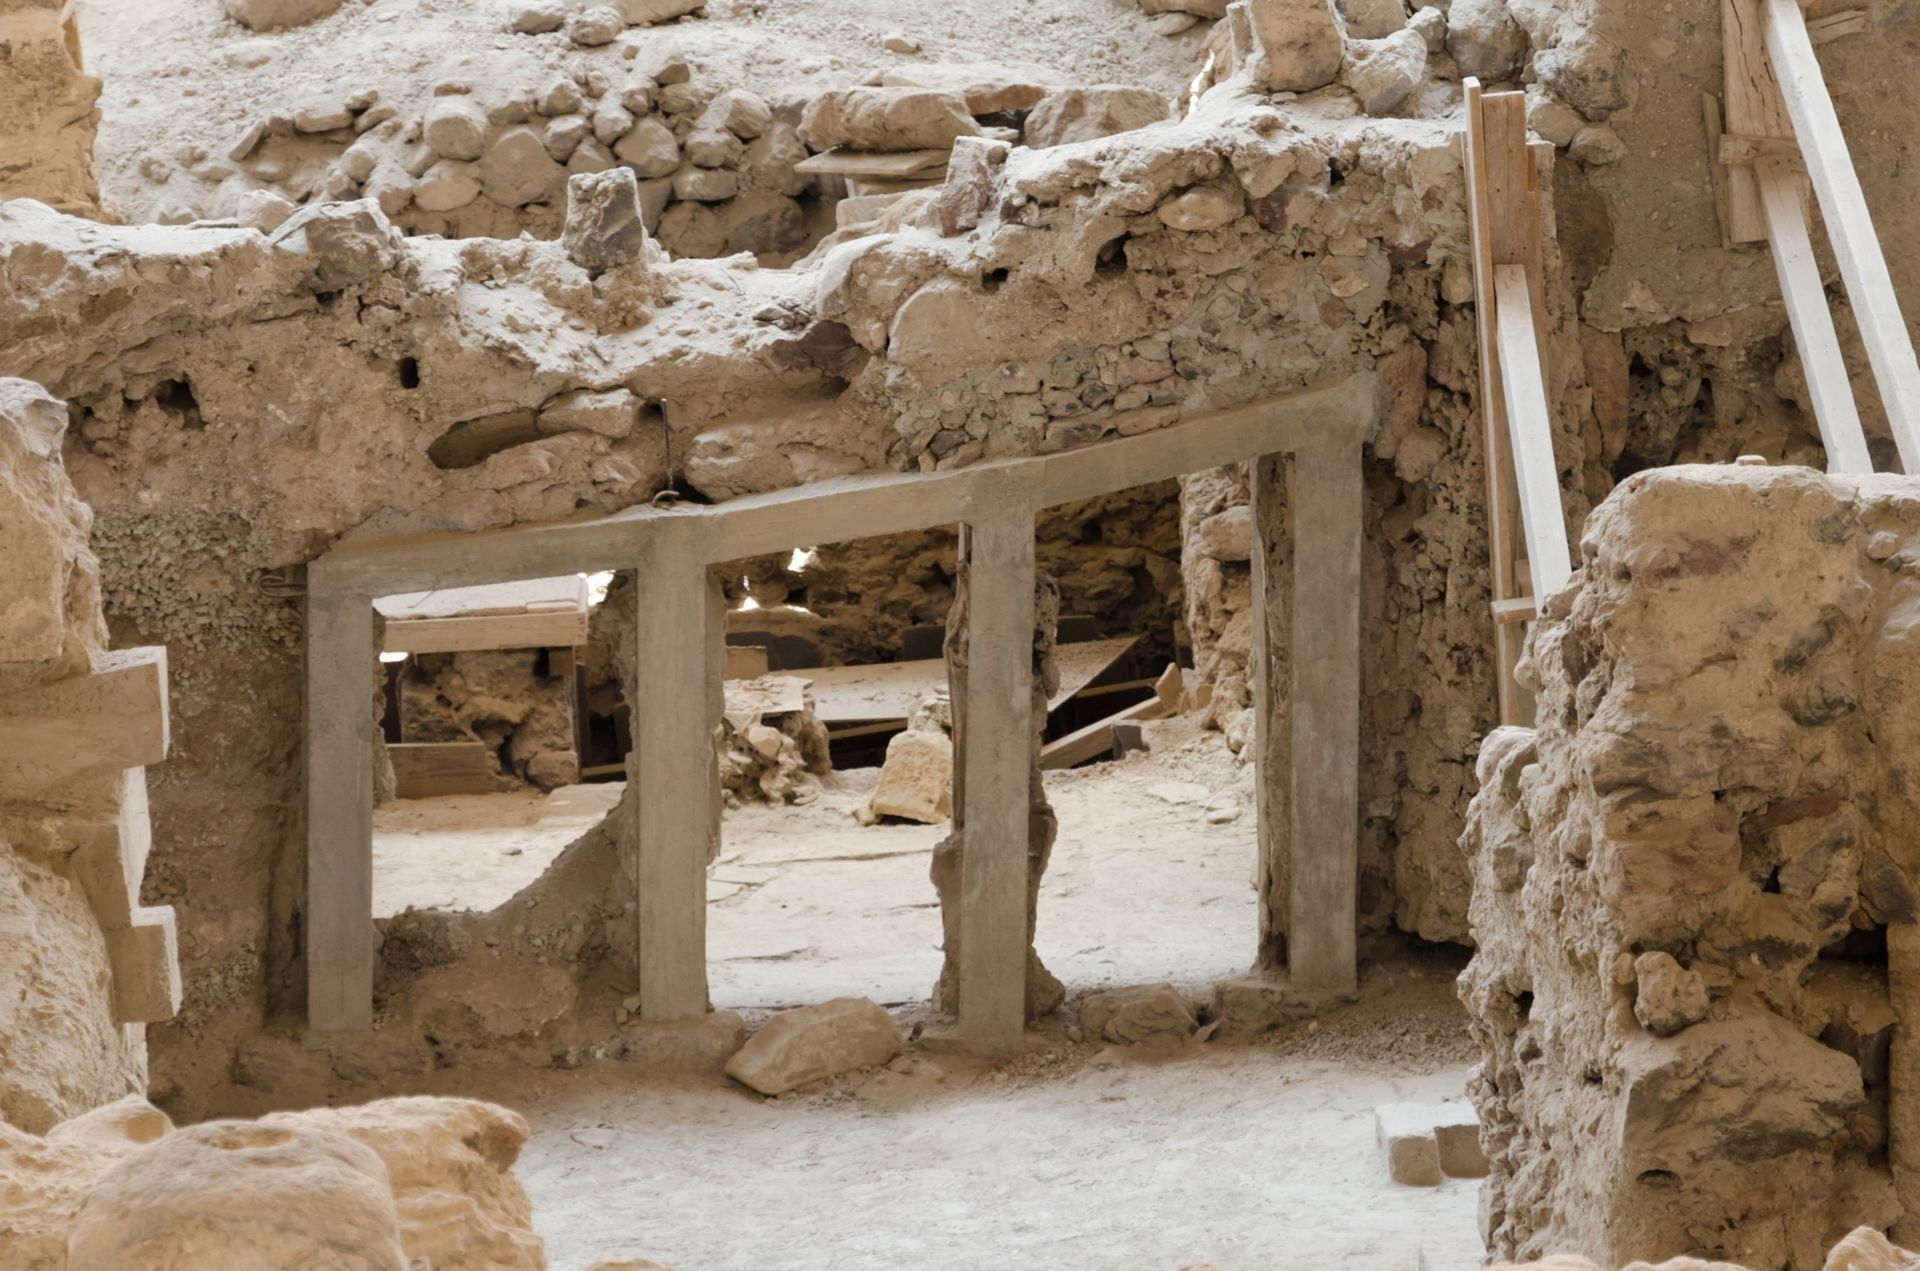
x=1324, y=794
x=339, y=757
x=672, y=774
x=1267, y=485
x=997, y=753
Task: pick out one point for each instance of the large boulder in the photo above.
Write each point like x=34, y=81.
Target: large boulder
x=886, y=119
x=277, y=15
x=1081, y=114
x=241, y=1196
x=815, y=1042
x=1296, y=44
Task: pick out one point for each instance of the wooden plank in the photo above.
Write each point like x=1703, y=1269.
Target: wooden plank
x=746, y=661
x=895, y=165
x=998, y=753
x=1722, y=179
x=1527, y=415
x=1324, y=748
x=1095, y=739
x=426, y=769
x=1843, y=205
x=540, y=630
x=1502, y=523
x=339, y=741
x=672, y=767
x=890, y=690
x=1813, y=333
x=1267, y=478
x=1837, y=26
x=1738, y=151
x=1754, y=109
x=1519, y=610
x=845, y=508
x=566, y=591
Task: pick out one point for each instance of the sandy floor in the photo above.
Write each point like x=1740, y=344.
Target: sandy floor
x=1079, y=1157
x=806, y=904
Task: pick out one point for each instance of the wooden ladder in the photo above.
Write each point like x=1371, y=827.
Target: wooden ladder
x=1781, y=130
x=1523, y=480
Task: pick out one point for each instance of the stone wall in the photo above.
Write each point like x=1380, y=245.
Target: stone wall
x=1687, y=882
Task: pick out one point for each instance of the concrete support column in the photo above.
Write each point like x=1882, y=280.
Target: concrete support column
x=673, y=775
x=339, y=745
x=1324, y=753
x=998, y=756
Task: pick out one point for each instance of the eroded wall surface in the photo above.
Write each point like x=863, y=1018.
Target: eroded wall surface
x=1686, y=882
x=47, y=112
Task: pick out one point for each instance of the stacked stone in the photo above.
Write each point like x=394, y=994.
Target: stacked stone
x=715, y=170
x=1693, y=896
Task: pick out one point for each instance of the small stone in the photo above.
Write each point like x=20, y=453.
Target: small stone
x=1154, y=1012
x=1456, y=1132
x=705, y=185
x=1386, y=73
x=1552, y=120
x=456, y=128
x=1226, y=535
x=612, y=413
x=897, y=42
x=561, y=97
x=611, y=121
x=277, y=15
x=648, y=12
x=322, y=117
x=812, y=1043
x=916, y=780
x=1372, y=19
x=1597, y=145
x=347, y=243
x=447, y=187
x=1668, y=997
x=590, y=156
x=1431, y=23
x=603, y=228
x=263, y=210
x=1204, y=207
x=1297, y=44
x=564, y=134
x=1171, y=24
x=714, y=148
x=1404, y=1132
x=649, y=148
x=551, y=769
x=1485, y=40
x=746, y=115
x=973, y=179
x=517, y=169
x=537, y=18
x=594, y=27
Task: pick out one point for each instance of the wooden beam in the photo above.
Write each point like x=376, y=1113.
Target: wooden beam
x=672, y=766
x=1095, y=739
x=1755, y=112
x=339, y=739
x=847, y=508
x=1503, y=530
x=549, y=629
x=426, y=769
x=1324, y=748
x=1843, y=204
x=1532, y=423
x=997, y=750
x=1813, y=333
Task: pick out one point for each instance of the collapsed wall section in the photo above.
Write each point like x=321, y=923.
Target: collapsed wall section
x=1693, y=883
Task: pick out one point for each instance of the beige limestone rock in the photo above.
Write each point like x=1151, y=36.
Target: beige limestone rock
x=449, y=1163
x=1067, y=115
x=1372, y=19
x=1296, y=44
x=648, y=12
x=343, y=243
x=815, y=1042
x=456, y=128
x=1386, y=72
x=886, y=119
x=1404, y=1132
x=916, y=780
x=1456, y=1133
x=52, y=622
x=241, y=1195
x=595, y=26
x=277, y=15
x=1484, y=40
x=650, y=149
x=967, y=195
x=1865, y=1249
x=612, y=413
x=604, y=227
x=1204, y=207
x=1153, y=1012
x=517, y=170
x=1668, y=996
x=987, y=87
x=47, y=110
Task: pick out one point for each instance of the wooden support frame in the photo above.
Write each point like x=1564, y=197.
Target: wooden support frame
x=1523, y=481
x=1770, y=200
x=1843, y=206
x=681, y=663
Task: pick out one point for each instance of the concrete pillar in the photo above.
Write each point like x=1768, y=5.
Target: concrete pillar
x=1324, y=752
x=673, y=775
x=998, y=755
x=339, y=918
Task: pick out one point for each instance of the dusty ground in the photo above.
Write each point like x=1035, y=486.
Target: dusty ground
x=805, y=904
x=1078, y=1156
x=183, y=81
